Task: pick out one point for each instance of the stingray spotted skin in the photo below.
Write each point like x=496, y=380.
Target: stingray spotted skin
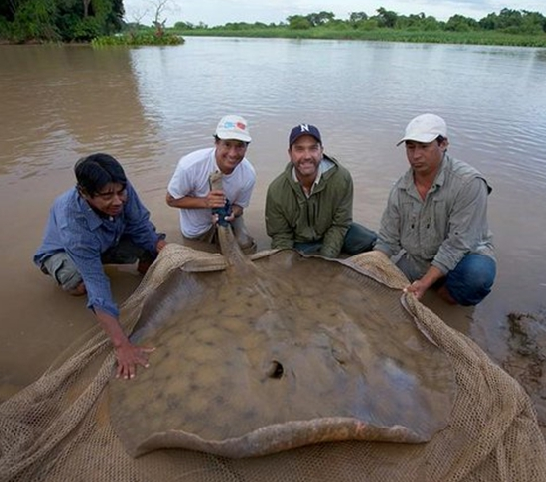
x=278, y=353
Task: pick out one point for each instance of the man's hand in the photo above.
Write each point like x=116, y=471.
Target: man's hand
x=161, y=243
x=236, y=211
x=215, y=199
x=420, y=286
x=129, y=356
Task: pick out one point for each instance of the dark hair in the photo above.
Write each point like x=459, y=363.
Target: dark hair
x=440, y=139
x=96, y=171
x=218, y=139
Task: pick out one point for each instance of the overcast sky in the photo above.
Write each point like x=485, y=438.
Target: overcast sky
x=220, y=12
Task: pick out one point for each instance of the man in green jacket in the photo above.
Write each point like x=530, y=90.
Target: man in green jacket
x=309, y=207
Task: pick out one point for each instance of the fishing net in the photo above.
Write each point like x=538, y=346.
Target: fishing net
x=59, y=429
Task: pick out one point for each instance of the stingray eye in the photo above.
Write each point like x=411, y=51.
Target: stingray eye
x=276, y=370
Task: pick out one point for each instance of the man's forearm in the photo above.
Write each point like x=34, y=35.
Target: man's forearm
x=112, y=328
x=332, y=242
x=431, y=276
x=187, y=202
x=282, y=242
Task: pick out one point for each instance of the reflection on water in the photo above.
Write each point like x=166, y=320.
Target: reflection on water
x=149, y=106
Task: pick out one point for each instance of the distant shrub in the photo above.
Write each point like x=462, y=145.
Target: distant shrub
x=138, y=39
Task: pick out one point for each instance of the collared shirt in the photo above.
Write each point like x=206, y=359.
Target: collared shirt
x=74, y=227
x=324, y=165
x=450, y=222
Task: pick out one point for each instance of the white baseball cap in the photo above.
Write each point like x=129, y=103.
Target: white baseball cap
x=424, y=128
x=233, y=127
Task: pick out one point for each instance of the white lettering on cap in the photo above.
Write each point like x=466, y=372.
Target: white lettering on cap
x=304, y=128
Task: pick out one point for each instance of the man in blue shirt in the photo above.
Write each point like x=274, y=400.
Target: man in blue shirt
x=100, y=221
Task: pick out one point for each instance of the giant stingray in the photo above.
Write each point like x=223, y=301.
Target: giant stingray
x=279, y=352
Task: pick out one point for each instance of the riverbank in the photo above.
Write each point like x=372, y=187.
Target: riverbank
x=377, y=35
x=526, y=360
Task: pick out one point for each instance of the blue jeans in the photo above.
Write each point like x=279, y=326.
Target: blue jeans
x=358, y=239
x=469, y=282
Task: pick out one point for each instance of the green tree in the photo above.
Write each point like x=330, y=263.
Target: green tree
x=321, y=18
x=533, y=23
x=183, y=26
x=515, y=21
x=356, y=19
x=458, y=23
x=35, y=19
x=429, y=23
x=386, y=18
x=298, y=22
x=488, y=22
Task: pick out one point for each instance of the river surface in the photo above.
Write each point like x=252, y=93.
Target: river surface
x=149, y=106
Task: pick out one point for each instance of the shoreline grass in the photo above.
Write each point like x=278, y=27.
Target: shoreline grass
x=380, y=35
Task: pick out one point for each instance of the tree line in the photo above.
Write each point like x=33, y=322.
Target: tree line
x=85, y=20
x=59, y=20
x=506, y=21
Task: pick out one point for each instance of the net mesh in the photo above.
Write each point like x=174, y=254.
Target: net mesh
x=58, y=428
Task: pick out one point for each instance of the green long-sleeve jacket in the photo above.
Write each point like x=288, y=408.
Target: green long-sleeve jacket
x=324, y=216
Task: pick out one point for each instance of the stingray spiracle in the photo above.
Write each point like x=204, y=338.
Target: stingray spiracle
x=275, y=369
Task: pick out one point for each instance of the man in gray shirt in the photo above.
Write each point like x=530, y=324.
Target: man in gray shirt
x=436, y=218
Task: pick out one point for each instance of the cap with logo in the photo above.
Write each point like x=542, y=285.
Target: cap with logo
x=424, y=128
x=302, y=130
x=233, y=127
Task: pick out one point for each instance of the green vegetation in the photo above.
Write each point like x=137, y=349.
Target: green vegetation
x=383, y=35
x=101, y=22
x=59, y=20
x=96, y=21
x=133, y=39
x=508, y=27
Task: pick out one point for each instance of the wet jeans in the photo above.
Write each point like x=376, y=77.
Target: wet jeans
x=468, y=283
x=358, y=239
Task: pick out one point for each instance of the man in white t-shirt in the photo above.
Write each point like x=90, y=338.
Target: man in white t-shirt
x=189, y=188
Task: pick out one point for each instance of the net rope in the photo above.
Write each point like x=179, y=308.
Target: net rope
x=58, y=428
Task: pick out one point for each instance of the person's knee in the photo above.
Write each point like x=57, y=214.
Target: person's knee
x=63, y=270
x=359, y=239
x=79, y=290
x=471, y=281
x=480, y=273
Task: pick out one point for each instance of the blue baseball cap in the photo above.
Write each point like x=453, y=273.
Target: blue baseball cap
x=304, y=130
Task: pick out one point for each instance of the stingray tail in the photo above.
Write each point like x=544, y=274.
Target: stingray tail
x=228, y=244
